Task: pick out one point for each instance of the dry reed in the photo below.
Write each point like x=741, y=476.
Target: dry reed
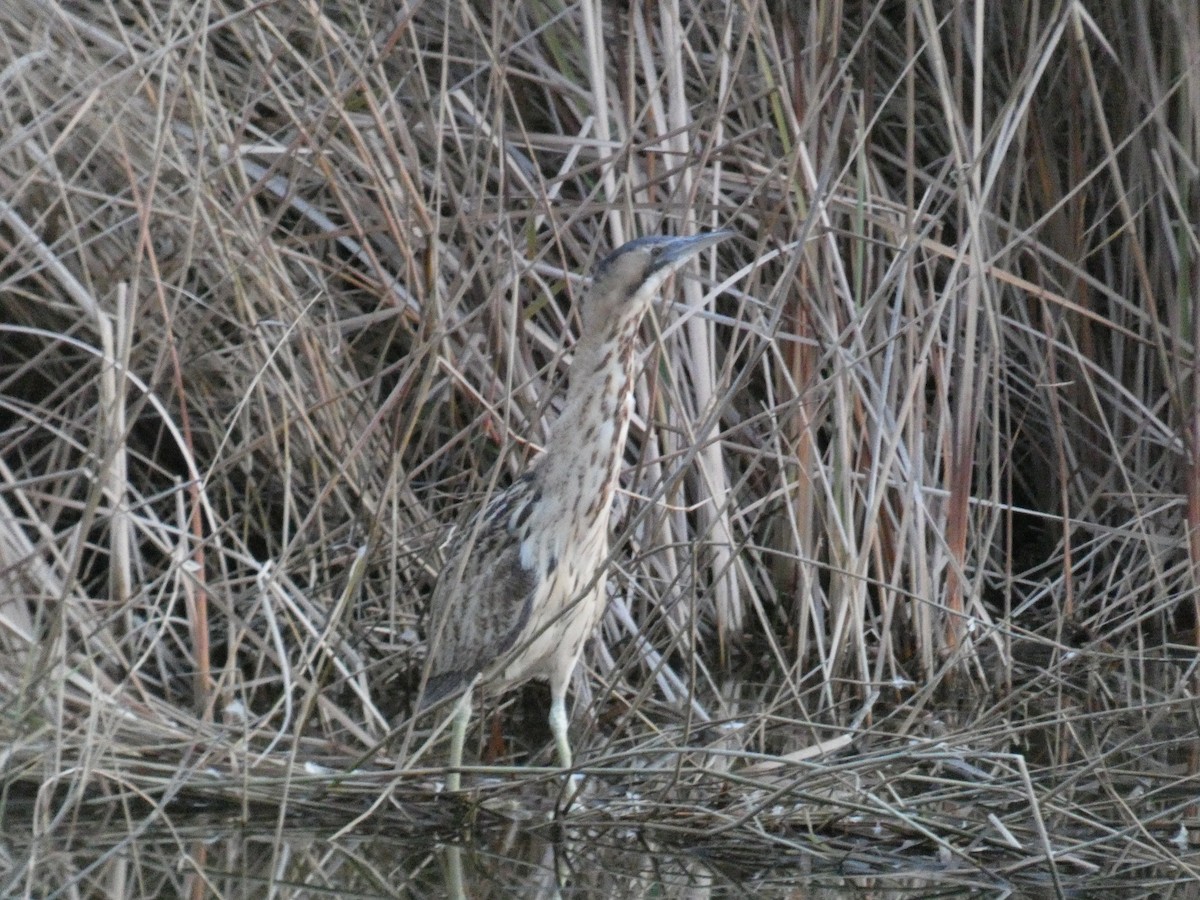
x=909, y=542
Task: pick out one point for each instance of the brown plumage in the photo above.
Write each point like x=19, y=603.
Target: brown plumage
x=519, y=596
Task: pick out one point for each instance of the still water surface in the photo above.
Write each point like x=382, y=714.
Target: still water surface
x=122, y=848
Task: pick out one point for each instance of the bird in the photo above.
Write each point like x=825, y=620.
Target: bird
x=519, y=593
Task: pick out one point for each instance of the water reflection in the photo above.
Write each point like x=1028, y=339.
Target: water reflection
x=120, y=848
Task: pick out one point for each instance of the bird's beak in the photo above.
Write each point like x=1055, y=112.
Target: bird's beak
x=676, y=250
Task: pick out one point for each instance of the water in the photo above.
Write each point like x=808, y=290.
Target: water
x=121, y=847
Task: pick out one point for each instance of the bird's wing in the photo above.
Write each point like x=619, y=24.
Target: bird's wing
x=480, y=613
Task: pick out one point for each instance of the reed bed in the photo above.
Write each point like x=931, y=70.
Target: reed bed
x=907, y=552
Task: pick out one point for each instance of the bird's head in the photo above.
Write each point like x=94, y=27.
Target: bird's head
x=627, y=280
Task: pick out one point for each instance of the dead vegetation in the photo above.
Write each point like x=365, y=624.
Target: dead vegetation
x=908, y=552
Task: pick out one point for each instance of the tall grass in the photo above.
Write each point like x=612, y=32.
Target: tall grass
x=909, y=522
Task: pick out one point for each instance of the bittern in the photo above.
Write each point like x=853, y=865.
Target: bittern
x=519, y=594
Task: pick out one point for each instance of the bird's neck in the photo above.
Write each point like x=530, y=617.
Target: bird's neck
x=585, y=446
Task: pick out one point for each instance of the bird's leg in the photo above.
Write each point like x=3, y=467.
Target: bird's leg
x=458, y=737
x=558, y=726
